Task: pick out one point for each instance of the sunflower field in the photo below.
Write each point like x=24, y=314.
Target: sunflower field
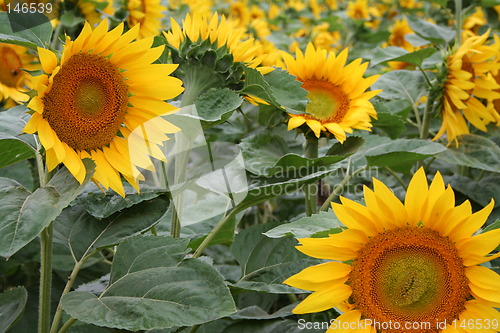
x=243, y=166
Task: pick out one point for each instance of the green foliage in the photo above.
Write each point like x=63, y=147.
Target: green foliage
x=318, y=225
x=23, y=215
x=474, y=151
x=394, y=53
x=401, y=84
x=24, y=33
x=265, y=262
x=177, y=292
x=12, y=304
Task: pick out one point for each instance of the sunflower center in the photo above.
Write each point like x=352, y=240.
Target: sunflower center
x=10, y=71
x=328, y=103
x=87, y=102
x=410, y=275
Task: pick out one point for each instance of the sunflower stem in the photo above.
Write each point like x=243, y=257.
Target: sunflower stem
x=458, y=21
x=46, y=237
x=45, y=278
x=67, y=325
x=311, y=190
x=67, y=289
x=214, y=232
x=338, y=189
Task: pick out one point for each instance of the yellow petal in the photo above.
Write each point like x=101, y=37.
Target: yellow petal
x=295, y=121
x=324, y=299
x=320, y=276
x=473, y=223
x=484, y=283
x=315, y=126
x=74, y=164
x=347, y=322
x=416, y=197
x=478, y=246
x=48, y=60
x=36, y=104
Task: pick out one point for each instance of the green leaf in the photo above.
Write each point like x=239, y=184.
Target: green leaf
x=277, y=88
x=397, y=107
x=277, y=326
x=12, y=303
x=479, y=191
x=350, y=146
x=212, y=105
x=287, y=91
x=402, y=152
x=102, y=205
x=309, y=226
x=26, y=35
x=266, y=262
x=394, y=53
x=493, y=226
x=401, y=84
x=13, y=150
x=255, y=312
x=393, y=125
x=82, y=233
x=266, y=155
x=14, y=146
x=151, y=288
x=474, y=151
x=23, y=215
x=437, y=34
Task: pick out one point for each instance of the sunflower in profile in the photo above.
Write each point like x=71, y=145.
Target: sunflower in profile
x=147, y=14
x=469, y=79
x=409, y=264
x=223, y=32
x=14, y=81
x=102, y=100
x=338, y=98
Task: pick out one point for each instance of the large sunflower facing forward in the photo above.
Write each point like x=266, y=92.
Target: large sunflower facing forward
x=339, y=100
x=103, y=100
x=468, y=81
x=414, y=266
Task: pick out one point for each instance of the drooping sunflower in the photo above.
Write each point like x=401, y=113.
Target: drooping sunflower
x=338, y=98
x=197, y=27
x=469, y=80
x=147, y=14
x=415, y=266
x=13, y=80
x=102, y=100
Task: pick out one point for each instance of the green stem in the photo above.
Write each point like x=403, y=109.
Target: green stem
x=396, y=176
x=311, y=190
x=55, y=37
x=45, y=278
x=46, y=237
x=424, y=130
x=67, y=325
x=458, y=20
x=67, y=289
x=338, y=189
x=213, y=233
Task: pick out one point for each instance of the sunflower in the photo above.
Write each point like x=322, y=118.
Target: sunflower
x=198, y=27
x=469, y=79
x=102, y=100
x=407, y=264
x=13, y=80
x=91, y=9
x=338, y=100
x=147, y=14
